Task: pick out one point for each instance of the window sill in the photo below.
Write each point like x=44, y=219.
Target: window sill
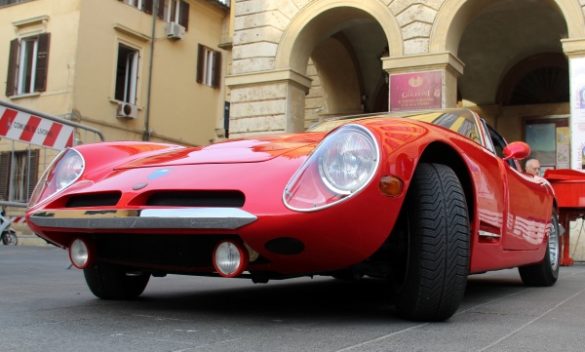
x=24, y=96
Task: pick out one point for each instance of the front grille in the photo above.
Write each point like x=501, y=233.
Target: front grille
x=231, y=199
x=93, y=200
x=179, y=251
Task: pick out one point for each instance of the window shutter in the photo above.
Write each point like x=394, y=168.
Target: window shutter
x=5, y=158
x=200, y=62
x=147, y=6
x=161, y=9
x=42, y=62
x=184, y=15
x=12, y=59
x=216, y=69
x=33, y=172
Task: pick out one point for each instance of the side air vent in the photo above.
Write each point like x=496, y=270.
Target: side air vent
x=93, y=200
x=231, y=199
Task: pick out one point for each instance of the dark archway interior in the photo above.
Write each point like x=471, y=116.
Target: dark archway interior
x=346, y=68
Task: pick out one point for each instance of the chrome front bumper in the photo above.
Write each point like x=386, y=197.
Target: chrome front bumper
x=128, y=219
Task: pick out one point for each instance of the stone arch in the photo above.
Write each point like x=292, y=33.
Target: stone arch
x=320, y=19
x=454, y=16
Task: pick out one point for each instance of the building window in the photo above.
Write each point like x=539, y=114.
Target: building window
x=177, y=11
x=147, y=6
x=18, y=174
x=127, y=74
x=208, y=66
x=10, y=2
x=27, y=65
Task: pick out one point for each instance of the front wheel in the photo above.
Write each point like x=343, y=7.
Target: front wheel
x=546, y=272
x=9, y=238
x=108, y=281
x=431, y=272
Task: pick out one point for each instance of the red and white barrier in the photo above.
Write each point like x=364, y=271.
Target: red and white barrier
x=25, y=127
x=18, y=219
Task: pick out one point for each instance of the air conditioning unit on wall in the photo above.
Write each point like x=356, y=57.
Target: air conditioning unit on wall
x=127, y=110
x=174, y=30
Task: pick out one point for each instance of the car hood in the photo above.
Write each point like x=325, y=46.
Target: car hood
x=236, y=151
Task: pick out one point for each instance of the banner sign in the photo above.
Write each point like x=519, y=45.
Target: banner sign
x=577, y=79
x=28, y=128
x=416, y=91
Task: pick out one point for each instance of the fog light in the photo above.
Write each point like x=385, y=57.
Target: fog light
x=230, y=258
x=80, y=254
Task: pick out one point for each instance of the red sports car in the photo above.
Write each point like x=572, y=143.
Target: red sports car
x=421, y=200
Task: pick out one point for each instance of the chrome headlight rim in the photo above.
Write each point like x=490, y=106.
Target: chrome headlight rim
x=312, y=158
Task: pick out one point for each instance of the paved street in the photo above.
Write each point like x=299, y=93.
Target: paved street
x=44, y=306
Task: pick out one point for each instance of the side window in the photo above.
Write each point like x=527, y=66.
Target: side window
x=208, y=66
x=27, y=65
x=127, y=74
x=499, y=144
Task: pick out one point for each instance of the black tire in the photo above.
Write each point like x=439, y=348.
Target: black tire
x=435, y=241
x=10, y=238
x=113, y=282
x=546, y=272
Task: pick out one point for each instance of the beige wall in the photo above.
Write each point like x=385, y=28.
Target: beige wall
x=61, y=19
x=181, y=109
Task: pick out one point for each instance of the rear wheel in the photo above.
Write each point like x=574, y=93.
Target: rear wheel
x=546, y=272
x=108, y=281
x=431, y=273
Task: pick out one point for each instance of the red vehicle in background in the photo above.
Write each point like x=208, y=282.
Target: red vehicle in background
x=421, y=200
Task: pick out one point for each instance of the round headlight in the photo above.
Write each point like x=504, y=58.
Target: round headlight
x=349, y=162
x=65, y=169
x=341, y=166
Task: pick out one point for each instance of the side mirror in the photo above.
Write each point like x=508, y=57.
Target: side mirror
x=517, y=151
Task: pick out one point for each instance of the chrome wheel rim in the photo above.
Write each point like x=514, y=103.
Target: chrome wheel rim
x=553, y=245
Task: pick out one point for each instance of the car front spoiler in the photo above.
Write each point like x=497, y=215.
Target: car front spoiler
x=128, y=219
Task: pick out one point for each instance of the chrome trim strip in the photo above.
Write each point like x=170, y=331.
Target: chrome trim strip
x=160, y=218
x=489, y=234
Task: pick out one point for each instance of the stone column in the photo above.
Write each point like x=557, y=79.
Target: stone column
x=267, y=102
x=417, y=72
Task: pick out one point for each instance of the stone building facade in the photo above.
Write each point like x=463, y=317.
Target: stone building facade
x=296, y=61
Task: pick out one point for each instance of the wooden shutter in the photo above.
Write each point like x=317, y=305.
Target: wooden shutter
x=184, y=15
x=12, y=64
x=5, y=158
x=42, y=62
x=147, y=6
x=216, y=80
x=161, y=9
x=200, y=62
x=32, y=171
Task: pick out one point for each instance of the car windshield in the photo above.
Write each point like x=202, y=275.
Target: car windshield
x=460, y=121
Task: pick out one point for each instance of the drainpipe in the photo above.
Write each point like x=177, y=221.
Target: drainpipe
x=146, y=134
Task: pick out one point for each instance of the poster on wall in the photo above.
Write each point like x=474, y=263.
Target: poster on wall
x=577, y=67
x=416, y=91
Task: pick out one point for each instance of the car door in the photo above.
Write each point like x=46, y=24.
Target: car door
x=529, y=203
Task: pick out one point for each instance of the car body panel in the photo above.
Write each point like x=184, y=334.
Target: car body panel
x=508, y=226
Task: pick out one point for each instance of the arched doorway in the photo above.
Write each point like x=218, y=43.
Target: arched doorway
x=515, y=69
x=340, y=47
